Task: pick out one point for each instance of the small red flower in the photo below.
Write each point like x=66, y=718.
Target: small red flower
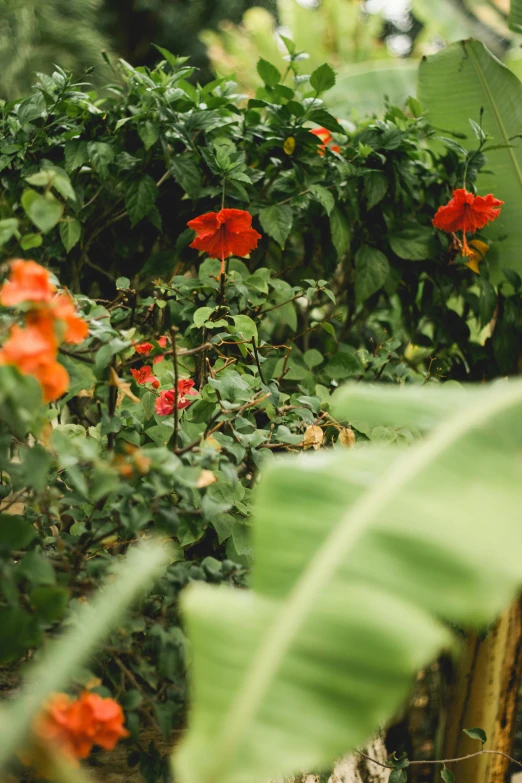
x=165, y=403
x=467, y=213
x=326, y=138
x=225, y=233
x=144, y=375
x=146, y=348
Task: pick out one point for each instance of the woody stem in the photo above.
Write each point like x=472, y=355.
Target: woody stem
x=176, y=390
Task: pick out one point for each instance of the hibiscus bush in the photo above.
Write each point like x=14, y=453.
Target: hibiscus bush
x=194, y=274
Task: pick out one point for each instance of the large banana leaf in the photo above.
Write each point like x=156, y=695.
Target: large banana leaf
x=365, y=87
x=453, y=85
x=356, y=553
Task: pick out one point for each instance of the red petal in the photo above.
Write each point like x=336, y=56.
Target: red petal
x=205, y=224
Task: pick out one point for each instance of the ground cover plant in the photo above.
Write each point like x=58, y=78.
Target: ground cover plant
x=194, y=277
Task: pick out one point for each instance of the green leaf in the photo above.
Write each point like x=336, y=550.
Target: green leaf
x=32, y=108
x=44, y=211
x=8, y=229
x=371, y=272
x=268, y=72
x=70, y=233
x=101, y=156
x=360, y=563
x=413, y=243
x=148, y=133
x=172, y=59
x=478, y=734
x=50, y=603
x=482, y=81
x=53, y=176
x=276, y=221
x=202, y=315
x=90, y=624
x=41, y=179
x=323, y=78
x=140, y=197
x=187, y=174
x=36, y=461
x=398, y=775
x=245, y=327
x=37, y=569
x=343, y=365
x=15, y=533
x=323, y=196
x=76, y=154
x=487, y=301
x=28, y=241
x=340, y=229
x=18, y=631
x=326, y=120
x=447, y=775
x=313, y=358
x=375, y=187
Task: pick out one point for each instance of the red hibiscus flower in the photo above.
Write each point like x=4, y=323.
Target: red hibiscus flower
x=326, y=137
x=146, y=348
x=166, y=402
x=225, y=233
x=144, y=375
x=466, y=212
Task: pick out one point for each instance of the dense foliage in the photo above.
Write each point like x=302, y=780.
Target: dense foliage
x=350, y=280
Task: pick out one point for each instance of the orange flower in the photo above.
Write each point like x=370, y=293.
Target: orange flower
x=466, y=212
x=76, y=328
x=53, y=378
x=29, y=282
x=33, y=350
x=29, y=348
x=76, y=726
x=326, y=137
x=225, y=233
x=144, y=375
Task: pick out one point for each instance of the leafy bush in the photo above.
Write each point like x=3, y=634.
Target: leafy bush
x=104, y=188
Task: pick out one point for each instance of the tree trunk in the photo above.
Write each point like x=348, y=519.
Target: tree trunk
x=357, y=769
x=484, y=695
x=354, y=768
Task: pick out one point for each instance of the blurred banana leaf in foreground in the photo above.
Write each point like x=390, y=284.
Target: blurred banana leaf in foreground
x=361, y=558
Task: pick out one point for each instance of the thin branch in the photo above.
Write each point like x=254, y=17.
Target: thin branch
x=256, y=357
x=176, y=390
x=444, y=761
